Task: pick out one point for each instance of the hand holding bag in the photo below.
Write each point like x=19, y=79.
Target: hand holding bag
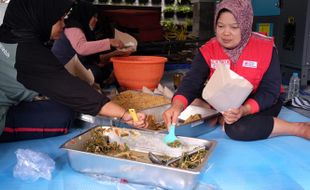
x=226, y=89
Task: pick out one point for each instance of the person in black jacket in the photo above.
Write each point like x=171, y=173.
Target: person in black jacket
x=29, y=69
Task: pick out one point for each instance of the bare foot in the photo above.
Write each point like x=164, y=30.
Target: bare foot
x=305, y=130
x=282, y=127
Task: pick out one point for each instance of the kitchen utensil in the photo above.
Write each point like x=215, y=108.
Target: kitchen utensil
x=155, y=160
x=171, y=135
x=133, y=114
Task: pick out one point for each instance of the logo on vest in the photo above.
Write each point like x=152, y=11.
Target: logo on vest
x=249, y=64
x=215, y=62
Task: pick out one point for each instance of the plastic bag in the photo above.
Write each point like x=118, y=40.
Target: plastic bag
x=123, y=184
x=226, y=89
x=32, y=165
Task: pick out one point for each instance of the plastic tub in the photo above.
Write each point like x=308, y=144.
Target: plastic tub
x=134, y=72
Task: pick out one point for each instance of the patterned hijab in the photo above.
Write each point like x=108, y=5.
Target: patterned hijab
x=243, y=13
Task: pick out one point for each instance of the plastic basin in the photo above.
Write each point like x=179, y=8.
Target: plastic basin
x=134, y=72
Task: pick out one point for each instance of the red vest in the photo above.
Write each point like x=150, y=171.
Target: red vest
x=252, y=63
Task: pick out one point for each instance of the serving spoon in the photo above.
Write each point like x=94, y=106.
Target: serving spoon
x=155, y=160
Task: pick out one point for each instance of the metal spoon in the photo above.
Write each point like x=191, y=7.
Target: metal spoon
x=155, y=160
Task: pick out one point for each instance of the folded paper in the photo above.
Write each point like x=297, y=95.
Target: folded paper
x=129, y=41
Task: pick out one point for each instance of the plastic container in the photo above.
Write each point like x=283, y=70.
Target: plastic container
x=294, y=86
x=134, y=72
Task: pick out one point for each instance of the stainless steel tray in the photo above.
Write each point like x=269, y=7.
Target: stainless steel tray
x=191, y=129
x=134, y=171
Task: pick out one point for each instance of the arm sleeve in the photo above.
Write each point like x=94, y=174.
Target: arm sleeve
x=82, y=46
x=193, y=83
x=268, y=91
x=45, y=75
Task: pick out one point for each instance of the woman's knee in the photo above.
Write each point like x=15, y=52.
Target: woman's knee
x=235, y=132
x=250, y=129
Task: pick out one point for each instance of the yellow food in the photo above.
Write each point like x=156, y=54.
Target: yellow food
x=139, y=100
x=193, y=118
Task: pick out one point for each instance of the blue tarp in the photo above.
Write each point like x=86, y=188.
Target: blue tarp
x=276, y=163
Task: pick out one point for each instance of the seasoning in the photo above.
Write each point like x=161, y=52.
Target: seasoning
x=177, y=78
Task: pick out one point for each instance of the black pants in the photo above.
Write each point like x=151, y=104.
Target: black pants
x=39, y=119
x=256, y=126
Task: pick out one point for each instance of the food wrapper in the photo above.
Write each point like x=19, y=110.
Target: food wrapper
x=76, y=68
x=129, y=41
x=226, y=89
x=160, y=90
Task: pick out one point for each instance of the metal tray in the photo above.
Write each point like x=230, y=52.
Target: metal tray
x=191, y=129
x=134, y=171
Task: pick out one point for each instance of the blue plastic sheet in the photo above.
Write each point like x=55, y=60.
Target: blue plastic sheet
x=276, y=163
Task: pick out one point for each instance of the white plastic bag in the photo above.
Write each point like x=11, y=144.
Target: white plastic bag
x=226, y=89
x=32, y=165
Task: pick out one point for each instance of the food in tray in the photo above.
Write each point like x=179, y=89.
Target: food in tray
x=192, y=118
x=175, y=144
x=139, y=100
x=153, y=125
x=101, y=143
x=157, y=126
x=142, y=170
x=190, y=161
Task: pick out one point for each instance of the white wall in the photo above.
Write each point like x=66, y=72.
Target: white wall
x=2, y=11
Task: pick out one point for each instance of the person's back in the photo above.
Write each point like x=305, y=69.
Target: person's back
x=29, y=68
x=11, y=91
x=62, y=49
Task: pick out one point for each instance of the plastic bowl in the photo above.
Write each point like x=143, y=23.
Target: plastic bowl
x=134, y=72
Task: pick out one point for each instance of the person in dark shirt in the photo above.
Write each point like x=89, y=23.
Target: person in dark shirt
x=78, y=45
x=29, y=69
x=250, y=55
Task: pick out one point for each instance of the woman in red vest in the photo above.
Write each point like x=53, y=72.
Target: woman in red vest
x=252, y=56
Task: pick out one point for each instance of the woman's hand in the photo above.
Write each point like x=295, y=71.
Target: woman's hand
x=119, y=52
x=116, y=43
x=123, y=52
x=233, y=115
x=171, y=115
x=141, y=123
